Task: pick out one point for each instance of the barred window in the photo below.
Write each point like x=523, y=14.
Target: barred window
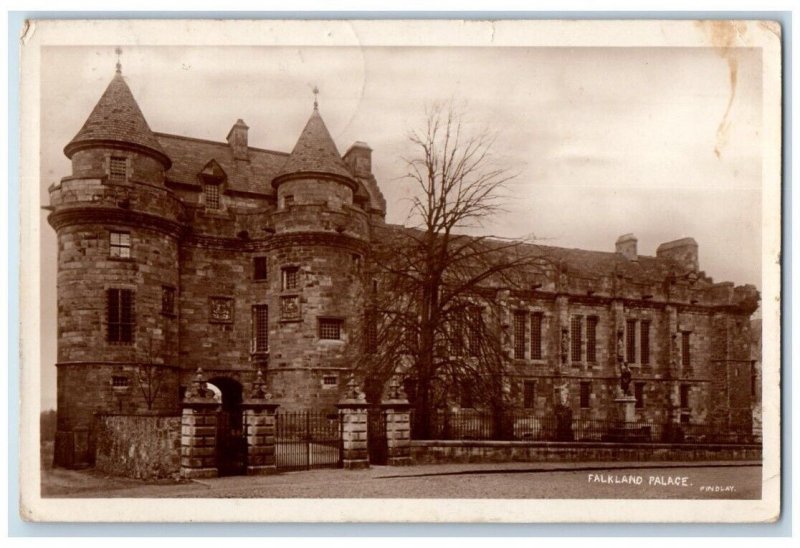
x=167, y=300
x=591, y=339
x=684, y=396
x=117, y=168
x=212, y=196
x=371, y=331
x=519, y=335
x=638, y=392
x=120, y=244
x=259, y=268
x=329, y=381
x=474, y=331
x=577, y=338
x=586, y=393
x=119, y=381
x=330, y=329
x=630, y=341
x=260, y=328
x=529, y=394
x=536, y=336
x=644, y=342
x=120, y=315
x=457, y=335
x=686, y=357
x=290, y=277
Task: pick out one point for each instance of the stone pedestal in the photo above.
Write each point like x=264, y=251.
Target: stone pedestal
x=199, y=440
x=353, y=414
x=259, y=423
x=398, y=431
x=626, y=408
x=199, y=431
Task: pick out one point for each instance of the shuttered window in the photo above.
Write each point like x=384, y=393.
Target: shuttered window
x=519, y=335
x=577, y=339
x=591, y=339
x=644, y=342
x=120, y=315
x=536, y=337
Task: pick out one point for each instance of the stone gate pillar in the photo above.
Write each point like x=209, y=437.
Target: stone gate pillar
x=353, y=414
x=199, y=431
x=259, y=424
x=398, y=425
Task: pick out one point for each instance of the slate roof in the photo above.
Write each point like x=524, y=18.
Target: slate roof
x=189, y=157
x=116, y=117
x=315, y=152
x=583, y=263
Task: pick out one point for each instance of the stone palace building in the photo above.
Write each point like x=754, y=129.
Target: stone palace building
x=176, y=253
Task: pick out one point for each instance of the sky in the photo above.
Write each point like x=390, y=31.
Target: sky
x=661, y=142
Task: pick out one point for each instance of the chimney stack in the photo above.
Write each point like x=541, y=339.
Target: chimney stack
x=237, y=139
x=626, y=246
x=683, y=251
x=358, y=159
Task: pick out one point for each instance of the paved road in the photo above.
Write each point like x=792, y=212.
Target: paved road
x=508, y=480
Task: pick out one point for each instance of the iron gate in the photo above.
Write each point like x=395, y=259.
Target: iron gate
x=376, y=436
x=308, y=439
x=231, y=444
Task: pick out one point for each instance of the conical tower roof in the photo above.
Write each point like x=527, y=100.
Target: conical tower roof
x=315, y=152
x=117, y=119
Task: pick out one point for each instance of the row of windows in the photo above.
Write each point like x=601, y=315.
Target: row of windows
x=120, y=247
x=586, y=326
x=121, y=318
x=585, y=394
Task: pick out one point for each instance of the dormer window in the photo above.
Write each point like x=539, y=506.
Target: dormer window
x=212, y=177
x=211, y=193
x=117, y=168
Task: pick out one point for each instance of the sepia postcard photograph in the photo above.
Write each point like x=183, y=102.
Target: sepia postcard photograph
x=401, y=271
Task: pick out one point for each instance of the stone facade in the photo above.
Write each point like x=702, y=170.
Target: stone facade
x=177, y=253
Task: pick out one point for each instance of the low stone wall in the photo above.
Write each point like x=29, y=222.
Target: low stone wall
x=436, y=451
x=138, y=446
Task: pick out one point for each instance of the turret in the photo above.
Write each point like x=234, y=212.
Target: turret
x=118, y=229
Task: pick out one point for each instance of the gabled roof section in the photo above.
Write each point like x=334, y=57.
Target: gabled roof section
x=213, y=171
x=315, y=152
x=117, y=119
x=191, y=156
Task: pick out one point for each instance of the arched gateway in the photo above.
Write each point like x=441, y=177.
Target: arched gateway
x=231, y=446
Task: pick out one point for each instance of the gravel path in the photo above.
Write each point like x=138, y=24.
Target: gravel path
x=507, y=480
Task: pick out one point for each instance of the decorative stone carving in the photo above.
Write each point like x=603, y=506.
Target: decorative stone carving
x=290, y=307
x=220, y=310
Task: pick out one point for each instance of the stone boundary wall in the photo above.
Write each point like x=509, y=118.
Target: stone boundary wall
x=138, y=446
x=438, y=451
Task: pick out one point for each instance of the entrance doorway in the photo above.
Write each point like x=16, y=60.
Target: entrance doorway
x=231, y=436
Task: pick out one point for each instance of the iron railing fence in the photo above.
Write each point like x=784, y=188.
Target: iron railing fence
x=516, y=425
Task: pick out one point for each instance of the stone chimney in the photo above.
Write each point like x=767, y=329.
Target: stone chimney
x=237, y=139
x=359, y=159
x=683, y=251
x=626, y=246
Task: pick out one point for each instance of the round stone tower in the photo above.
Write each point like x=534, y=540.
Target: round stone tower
x=318, y=250
x=118, y=228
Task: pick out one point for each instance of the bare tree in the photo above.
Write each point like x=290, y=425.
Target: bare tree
x=149, y=376
x=435, y=312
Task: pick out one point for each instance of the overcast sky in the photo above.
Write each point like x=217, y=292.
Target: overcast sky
x=606, y=141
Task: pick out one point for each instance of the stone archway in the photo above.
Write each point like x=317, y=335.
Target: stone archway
x=231, y=445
